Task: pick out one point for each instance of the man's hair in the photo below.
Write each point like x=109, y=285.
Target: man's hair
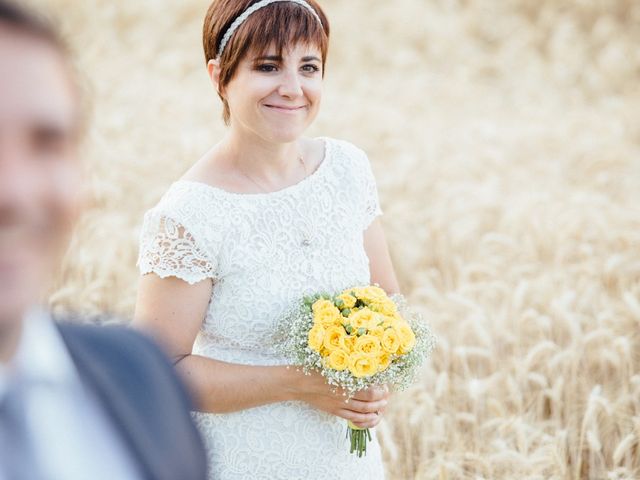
x=30, y=23
x=20, y=20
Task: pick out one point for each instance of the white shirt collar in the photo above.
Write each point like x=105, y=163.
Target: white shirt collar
x=42, y=356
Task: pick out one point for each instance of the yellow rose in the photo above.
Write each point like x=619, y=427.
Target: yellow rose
x=328, y=317
x=378, y=320
x=357, y=292
x=390, y=340
x=334, y=338
x=338, y=360
x=370, y=293
x=377, y=331
x=388, y=321
x=407, y=337
x=361, y=318
x=316, y=337
x=375, y=291
x=322, y=304
x=350, y=343
x=368, y=345
x=348, y=300
x=384, y=306
x=384, y=360
x=361, y=365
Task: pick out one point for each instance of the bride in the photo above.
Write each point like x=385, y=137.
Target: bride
x=264, y=218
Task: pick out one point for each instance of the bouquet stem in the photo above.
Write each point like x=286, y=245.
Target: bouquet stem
x=358, y=438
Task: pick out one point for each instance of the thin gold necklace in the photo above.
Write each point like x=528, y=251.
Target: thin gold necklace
x=265, y=190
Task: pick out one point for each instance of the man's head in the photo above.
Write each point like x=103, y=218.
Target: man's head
x=40, y=123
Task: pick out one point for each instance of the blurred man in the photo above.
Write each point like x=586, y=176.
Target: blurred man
x=75, y=402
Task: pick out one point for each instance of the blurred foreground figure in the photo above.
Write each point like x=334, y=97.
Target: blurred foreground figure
x=76, y=402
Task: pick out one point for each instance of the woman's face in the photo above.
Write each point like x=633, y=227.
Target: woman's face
x=276, y=97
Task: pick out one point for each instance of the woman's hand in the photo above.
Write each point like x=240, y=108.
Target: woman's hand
x=364, y=409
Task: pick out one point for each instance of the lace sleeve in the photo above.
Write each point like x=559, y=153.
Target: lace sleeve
x=168, y=249
x=371, y=201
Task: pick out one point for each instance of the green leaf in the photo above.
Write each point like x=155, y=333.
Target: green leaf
x=362, y=331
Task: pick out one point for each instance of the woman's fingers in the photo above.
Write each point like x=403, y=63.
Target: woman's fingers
x=366, y=407
x=357, y=417
x=362, y=420
x=367, y=425
x=372, y=394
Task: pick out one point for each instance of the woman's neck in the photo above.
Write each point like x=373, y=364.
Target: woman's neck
x=257, y=157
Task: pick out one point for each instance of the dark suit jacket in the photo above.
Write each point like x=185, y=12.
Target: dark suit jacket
x=142, y=396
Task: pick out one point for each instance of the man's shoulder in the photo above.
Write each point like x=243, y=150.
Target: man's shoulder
x=118, y=343
x=124, y=355
x=141, y=391
x=120, y=338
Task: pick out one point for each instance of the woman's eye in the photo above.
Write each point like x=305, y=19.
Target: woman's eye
x=310, y=68
x=267, y=68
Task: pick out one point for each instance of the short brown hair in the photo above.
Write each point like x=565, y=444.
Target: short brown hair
x=280, y=24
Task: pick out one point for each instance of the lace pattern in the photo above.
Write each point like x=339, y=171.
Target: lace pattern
x=264, y=252
x=170, y=250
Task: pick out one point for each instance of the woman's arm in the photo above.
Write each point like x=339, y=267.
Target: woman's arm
x=172, y=311
x=382, y=272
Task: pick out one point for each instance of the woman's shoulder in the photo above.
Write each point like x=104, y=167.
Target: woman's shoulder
x=182, y=196
x=195, y=188
x=191, y=204
x=347, y=154
x=186, y=215
x=344, y=147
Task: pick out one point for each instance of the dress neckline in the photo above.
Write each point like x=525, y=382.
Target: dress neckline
x=316, y=173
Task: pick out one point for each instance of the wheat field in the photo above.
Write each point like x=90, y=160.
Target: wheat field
x=505, y=136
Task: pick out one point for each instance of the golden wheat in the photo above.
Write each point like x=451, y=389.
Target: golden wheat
x=506, y=139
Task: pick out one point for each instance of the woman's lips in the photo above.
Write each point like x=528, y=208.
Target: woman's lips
x=285, y=109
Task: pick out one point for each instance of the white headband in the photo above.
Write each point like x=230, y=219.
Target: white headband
x=254, y=8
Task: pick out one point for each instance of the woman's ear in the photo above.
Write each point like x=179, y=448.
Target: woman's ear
x=213, y=67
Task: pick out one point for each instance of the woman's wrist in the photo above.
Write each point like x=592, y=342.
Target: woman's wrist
x=290, y=382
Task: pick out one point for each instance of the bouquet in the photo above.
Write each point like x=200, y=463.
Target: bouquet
x=357, y=338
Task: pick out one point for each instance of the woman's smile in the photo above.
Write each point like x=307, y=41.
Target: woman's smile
x=286, y=108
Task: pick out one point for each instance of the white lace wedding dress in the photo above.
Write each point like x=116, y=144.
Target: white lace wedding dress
x=264, y=252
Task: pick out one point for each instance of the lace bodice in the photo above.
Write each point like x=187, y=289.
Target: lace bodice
x=264, y=252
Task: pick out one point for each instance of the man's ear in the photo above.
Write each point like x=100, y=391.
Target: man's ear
x=213, y=67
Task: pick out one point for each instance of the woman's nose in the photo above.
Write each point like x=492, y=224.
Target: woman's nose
x=290, y=85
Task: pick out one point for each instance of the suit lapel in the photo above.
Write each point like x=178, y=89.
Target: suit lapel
x=98, y=376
